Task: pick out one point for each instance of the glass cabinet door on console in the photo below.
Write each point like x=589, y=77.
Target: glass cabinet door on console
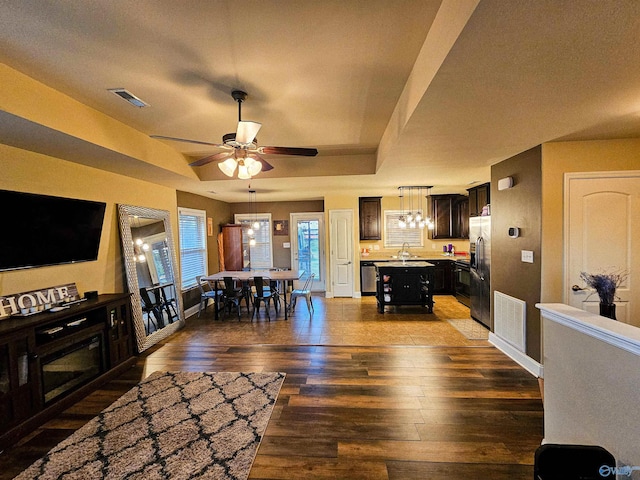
x=120, y=339
x=19, y=397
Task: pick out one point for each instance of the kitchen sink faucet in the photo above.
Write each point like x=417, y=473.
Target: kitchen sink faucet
x=404, y=253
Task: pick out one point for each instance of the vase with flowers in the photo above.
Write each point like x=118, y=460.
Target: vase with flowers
x=605, y=285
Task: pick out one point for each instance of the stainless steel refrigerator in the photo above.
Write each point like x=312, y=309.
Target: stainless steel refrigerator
x=480, y=238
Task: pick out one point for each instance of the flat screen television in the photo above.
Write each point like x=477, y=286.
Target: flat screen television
x=39, y=230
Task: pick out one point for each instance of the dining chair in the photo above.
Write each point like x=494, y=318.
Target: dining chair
x=153, y=308
x=231, y=296
x=168, y=303
x=262, y=294
x=275, y=293
x=305, y=292
x=206, y=293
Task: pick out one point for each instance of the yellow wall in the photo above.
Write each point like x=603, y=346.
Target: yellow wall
x=27, y=98
x=30, y=172
x=430, y=247
x=341, y=202
x=558, y=159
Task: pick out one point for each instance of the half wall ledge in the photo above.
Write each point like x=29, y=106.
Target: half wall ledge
x=591, y=381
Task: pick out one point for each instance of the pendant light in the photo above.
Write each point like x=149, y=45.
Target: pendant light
x=414, y=217
x=254, y=225
x=402, y=220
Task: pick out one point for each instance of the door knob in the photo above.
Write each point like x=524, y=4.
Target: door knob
x=576, y=288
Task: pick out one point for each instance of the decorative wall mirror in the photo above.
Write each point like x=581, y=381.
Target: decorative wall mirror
x=150, y=262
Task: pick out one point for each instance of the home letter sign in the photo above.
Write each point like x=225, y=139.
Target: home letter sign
x=37, y=299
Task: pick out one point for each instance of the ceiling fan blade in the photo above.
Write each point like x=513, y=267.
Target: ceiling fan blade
x=247, y=131
x=210, y=158
x=266, y=166
x=162, y=137
x=305, y=152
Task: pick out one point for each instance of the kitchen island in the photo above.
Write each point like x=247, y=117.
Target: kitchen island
x=404, y=283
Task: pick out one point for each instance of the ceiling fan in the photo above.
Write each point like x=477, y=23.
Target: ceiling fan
x=242, y=150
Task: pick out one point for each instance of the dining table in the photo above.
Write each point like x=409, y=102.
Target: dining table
x=285, y=276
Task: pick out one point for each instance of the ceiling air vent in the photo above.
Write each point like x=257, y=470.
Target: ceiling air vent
x=129, y=97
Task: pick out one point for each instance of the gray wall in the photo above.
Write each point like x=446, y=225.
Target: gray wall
x=519, y=206
x=280, y=211
x=220, y=214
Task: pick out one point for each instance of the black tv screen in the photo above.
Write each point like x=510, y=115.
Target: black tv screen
x=39, y=230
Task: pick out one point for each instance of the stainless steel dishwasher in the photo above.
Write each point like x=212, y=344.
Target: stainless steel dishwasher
x=367, y=278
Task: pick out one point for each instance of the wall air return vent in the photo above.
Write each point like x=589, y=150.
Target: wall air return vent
x=509, y=319
x=129, y=97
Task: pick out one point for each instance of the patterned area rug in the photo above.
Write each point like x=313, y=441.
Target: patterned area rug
x=182, y=425
x=471, y=329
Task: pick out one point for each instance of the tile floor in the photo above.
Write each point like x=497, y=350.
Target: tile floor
x=336, y=321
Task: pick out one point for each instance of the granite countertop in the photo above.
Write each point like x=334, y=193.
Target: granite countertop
x=409, y=264
x=386, y=257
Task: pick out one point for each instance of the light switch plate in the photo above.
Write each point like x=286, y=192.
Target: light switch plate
x=286, y=245
x=527, y=256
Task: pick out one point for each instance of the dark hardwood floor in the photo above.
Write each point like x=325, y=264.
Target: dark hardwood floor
x=454, y=409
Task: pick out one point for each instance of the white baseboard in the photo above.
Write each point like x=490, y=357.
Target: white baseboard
x=526, y=362
x=189, y=312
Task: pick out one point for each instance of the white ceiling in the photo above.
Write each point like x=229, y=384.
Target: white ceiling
x=391, y=92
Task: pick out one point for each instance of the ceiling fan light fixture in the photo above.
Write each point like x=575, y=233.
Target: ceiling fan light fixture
x=253, y=165
x=239, y=145
x=228, y=167
x=246, y=132
x=243, y=172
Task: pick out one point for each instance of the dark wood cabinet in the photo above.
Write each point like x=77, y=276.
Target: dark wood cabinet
x=370, y=218
x=461, y=216
x=120, y=335
x=19, y=388
x=450, y=216
x=479, y=197
x=404, y=284
x=49, y=360
x=443, y=277
x=232, y=250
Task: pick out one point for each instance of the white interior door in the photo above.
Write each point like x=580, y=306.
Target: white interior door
x=341, y=257
x=307, y=246
x=602, y=229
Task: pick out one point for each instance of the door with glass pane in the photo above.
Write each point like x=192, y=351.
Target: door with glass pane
x=307, y=246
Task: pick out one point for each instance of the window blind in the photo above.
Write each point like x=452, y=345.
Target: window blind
x=193, y=245
x=394, y=236
x=259, y=254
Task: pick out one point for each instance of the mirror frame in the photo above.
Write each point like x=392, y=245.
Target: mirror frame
x=124, y=211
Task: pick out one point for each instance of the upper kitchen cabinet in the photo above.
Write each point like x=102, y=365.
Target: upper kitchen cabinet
x=479, y=197
x=370, y=218
x=450, y=216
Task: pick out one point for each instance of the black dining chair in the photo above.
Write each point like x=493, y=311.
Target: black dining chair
x=231, y=296
x=275, y=293
x=262, y=294
x=206, y=293
x=168, y=303
x=152, y=307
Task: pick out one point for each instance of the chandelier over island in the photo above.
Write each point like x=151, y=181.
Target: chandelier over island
x=414, y=215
